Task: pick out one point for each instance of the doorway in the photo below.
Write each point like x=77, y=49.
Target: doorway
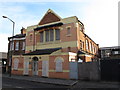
x=35, y=66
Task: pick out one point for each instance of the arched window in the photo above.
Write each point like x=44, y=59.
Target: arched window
x=59, y=66
x=16, y=63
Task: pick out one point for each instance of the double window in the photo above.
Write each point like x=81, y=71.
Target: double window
x=49, y=35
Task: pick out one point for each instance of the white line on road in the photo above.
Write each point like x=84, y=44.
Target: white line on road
x=18, y=87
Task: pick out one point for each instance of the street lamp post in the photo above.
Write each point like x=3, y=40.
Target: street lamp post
x=10, y=65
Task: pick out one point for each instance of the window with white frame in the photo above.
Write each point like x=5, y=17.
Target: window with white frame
x=16, y=63
x=11, y=46
x=87, y=45
x=93, y=48
x=17, y=46
x=23, y=45
x=115, y=52
x=59, y=66
x=90, y=46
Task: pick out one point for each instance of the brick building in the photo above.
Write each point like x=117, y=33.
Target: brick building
x=51, y=45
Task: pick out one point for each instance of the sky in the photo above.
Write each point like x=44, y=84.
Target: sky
x=100, y=17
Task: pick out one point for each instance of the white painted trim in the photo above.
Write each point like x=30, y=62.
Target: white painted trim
x=59, y=58
x=85, y=55
x=71, y=53
x=17, y=39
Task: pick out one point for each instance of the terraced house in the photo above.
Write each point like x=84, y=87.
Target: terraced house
x=51, y=45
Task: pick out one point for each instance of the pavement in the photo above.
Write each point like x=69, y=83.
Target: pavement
x=39, y=79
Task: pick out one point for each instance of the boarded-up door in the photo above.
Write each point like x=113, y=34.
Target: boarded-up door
x=26, y=67
x=45, y=68
x=73, y=70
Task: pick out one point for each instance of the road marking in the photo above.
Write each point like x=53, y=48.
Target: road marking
x=18, y=87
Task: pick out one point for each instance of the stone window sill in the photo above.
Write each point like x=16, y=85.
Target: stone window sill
x=68, y=35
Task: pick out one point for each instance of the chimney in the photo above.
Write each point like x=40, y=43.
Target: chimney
x=23, y=30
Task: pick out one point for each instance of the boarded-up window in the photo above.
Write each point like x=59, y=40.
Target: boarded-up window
x=57, y=32
x=47, y=35
x=16, y=63
x=17, y=46
x=41, y=36
x=51, y=35
x=59, y=67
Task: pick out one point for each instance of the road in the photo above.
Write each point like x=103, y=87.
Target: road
x=10, y=84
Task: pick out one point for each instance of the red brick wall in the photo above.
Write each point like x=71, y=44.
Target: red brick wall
x=65, y=64
x=20, y=66
x=72, y=49
x=28, y=42
x=73, y=35
x=15, y=72
x=63, y=75
x=48, y=18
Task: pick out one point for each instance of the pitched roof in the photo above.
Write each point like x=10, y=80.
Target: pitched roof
x=49, y=17
x=43, y=51
x=17, y=36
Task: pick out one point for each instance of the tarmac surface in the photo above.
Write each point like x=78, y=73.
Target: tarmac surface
x=31, y=82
